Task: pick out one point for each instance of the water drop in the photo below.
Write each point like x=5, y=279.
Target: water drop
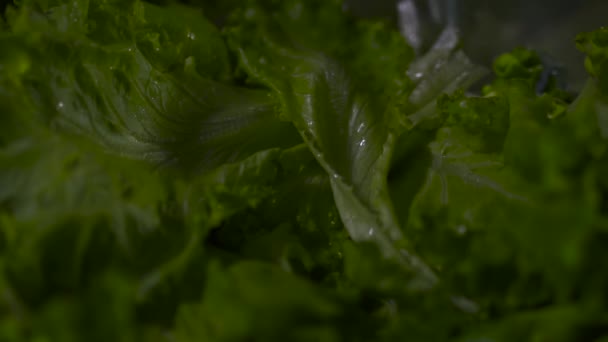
x=391, y=306
x=362, y=143
x=461, y=229
x=361, y=127
x=370, y=232
x=186, y=206
x=60, y=105
x=191, y=35
x=250, y=13
x=296, y=11
x=465, y=304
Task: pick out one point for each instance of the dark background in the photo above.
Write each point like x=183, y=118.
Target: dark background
x=491, y=27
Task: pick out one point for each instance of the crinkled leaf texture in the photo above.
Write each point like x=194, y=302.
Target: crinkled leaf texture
x=133, y=155
x=123, y=142
x=143, y=92
x=350, y=133
x=161, y=180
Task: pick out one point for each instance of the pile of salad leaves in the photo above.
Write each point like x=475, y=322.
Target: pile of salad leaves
x=295, y=174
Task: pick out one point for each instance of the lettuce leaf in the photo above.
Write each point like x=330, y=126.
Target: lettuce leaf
x=297, y=174
x=350, y=134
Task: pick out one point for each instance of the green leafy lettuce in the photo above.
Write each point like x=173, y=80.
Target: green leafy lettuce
x=296, y=174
